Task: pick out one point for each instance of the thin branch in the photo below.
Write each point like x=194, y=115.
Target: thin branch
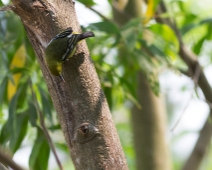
x=2, y=167
x=6, y=160
x=195, y=79
x=7, y=8
x=206, y=101
x=183, y=112
x=44, y=127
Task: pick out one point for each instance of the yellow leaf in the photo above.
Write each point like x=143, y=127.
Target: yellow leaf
x=150, y=11
x=18, y=61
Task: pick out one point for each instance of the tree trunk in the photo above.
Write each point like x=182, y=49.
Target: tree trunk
x=149, y=127
x=148, y=122
x=79, y=101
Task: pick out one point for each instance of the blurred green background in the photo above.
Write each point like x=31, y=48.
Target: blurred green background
x=20, y=132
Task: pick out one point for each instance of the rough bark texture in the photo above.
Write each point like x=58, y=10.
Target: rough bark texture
x=148, y=122
x=79, y=101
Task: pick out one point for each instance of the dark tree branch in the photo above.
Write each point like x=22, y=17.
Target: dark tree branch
x=6, y=160
x=7, y=8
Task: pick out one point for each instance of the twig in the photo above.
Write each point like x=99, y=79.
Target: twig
x=183, y=112
x=7, y=8
x=44, y=127
x=2, y=167
x=5, y=159
x=195, y=79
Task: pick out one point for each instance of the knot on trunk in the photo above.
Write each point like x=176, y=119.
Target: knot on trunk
x=85, y=132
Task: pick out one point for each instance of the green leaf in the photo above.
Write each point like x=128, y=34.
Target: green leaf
x=55, y=127
x=5, y=133
x=165, y=41
x=13, y=104
x=151, y=48
x=13, y=109
x=87, y=3
x=46, y=104
x=191, y=26
x=166, y=33
x=188, y=27
x=32, y=114
x=3, y=92
x=40, y=152
x=63, y=147
x=108, y=94
x=105, y=26
x=15, y=128
x=131, y=32
x=23, y=87
x=20, y=131
x=209, y=32
x=198, y=46
x=135, y=22
x=110, y=1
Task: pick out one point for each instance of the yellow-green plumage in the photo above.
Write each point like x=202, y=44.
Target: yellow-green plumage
x=54, y=53
x=62, y=47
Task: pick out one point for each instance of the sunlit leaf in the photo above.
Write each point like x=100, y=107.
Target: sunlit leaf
x=198, y=46
x=87, y=3
x=151, y=7
x=165, y=39
x=110, y=1
x=130, y=32
x=191, y=26
x=209, y=32
x=17, y=62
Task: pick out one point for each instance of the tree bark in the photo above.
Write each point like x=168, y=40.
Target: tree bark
x=148, y=122
x=79, y=101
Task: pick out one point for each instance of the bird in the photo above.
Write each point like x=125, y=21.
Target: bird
x=62, y=47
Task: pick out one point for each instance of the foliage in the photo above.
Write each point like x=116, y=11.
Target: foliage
x=149, y=47
x=17, y=111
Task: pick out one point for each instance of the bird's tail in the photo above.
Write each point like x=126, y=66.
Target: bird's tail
x=86, y=35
